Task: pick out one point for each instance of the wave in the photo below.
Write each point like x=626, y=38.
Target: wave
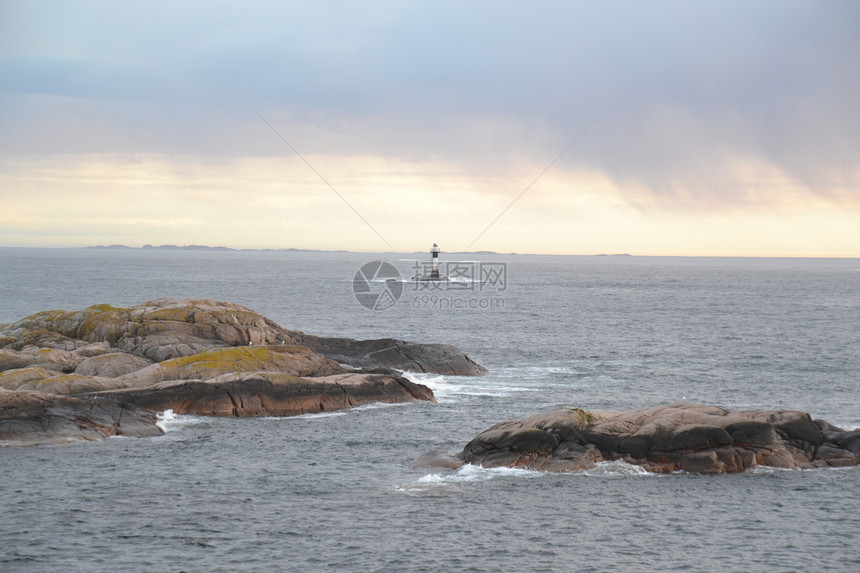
x=169, y=421
x=474, y=474
x=337, y=413
x=615, y=468
x=466, y=474
x=309, y=416
x=543, y=370
x=447, y=391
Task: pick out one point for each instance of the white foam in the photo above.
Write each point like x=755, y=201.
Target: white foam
x=475, y=474
x=164, y=419
x=466, y=474
x=768, y=470
x=436, y=382
x=310, y=416
x=168, y=421
x=378, y=405
x=446, y=391
x=616, y=468
x=463, y=280
x=334, y=414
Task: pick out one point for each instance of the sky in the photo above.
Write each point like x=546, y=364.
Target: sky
x=651, y=128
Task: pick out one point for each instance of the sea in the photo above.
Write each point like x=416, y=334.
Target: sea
x=337, y=490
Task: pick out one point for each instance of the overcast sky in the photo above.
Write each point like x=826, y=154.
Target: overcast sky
x=702, y=128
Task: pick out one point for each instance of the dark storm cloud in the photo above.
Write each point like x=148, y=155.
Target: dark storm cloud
x=689, y=87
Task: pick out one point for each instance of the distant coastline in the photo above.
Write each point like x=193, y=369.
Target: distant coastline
x=286, y=250
x=207, y=248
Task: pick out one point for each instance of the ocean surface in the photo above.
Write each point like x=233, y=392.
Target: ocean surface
x=335, y=491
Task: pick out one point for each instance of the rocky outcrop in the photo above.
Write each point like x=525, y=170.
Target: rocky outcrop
x=29, y=418
x=272, y=394
x=165, y=329
x=191, y=356
x=678, y=437
x=392, y=353
x=156, y=330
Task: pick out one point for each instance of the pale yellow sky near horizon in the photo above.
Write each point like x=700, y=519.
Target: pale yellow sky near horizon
x=278, y=202
x=716, y=129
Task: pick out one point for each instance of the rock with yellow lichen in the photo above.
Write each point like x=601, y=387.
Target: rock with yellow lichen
x=171, y=328
x=191, y=356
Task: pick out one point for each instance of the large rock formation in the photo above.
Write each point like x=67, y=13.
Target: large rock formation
x=171, y=328
x=29, y=418
x=684, y=436
x=200, y=357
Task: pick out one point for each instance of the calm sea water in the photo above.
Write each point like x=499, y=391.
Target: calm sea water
x=335, y=491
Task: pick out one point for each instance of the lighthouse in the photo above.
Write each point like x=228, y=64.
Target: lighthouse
x=433, y=276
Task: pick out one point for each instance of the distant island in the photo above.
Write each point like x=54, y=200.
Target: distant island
x=287, y=250
x=205, y=248
x=293, y=250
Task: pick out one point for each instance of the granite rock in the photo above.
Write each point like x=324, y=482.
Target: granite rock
x=30, y=418
x=678, y=437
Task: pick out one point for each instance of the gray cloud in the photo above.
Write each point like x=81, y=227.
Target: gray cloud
x=688, y=86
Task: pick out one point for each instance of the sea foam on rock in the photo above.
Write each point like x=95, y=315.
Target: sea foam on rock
x=194, y=356
x=677, y=437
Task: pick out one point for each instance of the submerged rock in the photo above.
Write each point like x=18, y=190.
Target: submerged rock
x=392, y=353
x=29, y=418
x=683, y=436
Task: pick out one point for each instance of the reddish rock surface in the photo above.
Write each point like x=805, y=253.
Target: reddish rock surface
x=678, y=437
x=272, y=394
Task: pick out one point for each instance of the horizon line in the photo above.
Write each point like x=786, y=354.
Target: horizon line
x=220, y=248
